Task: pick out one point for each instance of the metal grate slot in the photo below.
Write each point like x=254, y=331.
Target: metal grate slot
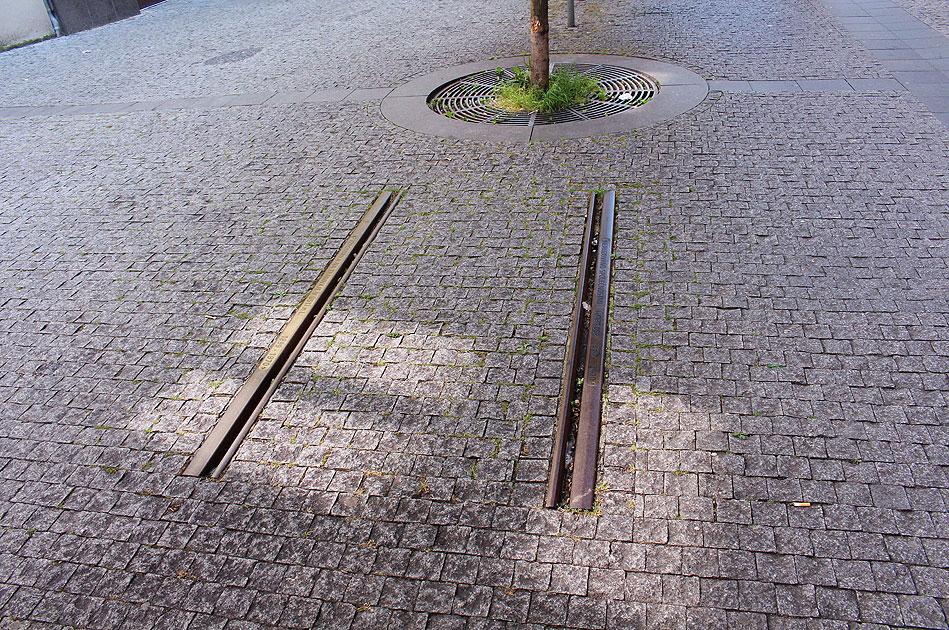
x=470, y=98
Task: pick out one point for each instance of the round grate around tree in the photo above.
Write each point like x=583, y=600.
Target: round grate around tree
x=471, y=99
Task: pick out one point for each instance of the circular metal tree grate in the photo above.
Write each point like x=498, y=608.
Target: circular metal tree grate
x=471, y=98
x=442, y=104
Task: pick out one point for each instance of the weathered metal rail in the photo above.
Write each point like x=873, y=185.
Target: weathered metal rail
x=225, y=438
x=571, y=369
x=588, y=337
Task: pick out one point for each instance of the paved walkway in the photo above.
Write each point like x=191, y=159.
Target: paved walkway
x=775, y=448
x=914, y=48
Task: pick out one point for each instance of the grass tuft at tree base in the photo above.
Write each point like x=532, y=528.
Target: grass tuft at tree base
x=567, y=87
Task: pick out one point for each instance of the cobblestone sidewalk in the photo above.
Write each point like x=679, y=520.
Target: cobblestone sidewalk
x=774, y=452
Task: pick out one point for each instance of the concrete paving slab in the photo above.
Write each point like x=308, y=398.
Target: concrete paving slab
x=774, y=86
x=933, y=89
x=367, y=94
x=103, y=108
x=822, y=85
x=934, y=41
x=905, y=53
x=187, y=103
x=256, y=98
x=904, y=65
x=937, y=103
x=876, y=84
x=729, y=86
x=938, y=51
x=924, y=77
x=870, y=28
x=323, y=96
x=910, y=32
x=885, y=43
x=139, y=106
x=287, y=98
x=13, y=112
x=48, y=110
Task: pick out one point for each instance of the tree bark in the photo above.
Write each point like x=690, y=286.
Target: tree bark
x=540, y=45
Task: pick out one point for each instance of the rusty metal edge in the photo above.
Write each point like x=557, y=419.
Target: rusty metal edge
x=301, y=344
x=571, y=363
x=222, y=442
x=591, y=399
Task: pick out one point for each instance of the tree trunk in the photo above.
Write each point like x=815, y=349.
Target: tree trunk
x=540, y=45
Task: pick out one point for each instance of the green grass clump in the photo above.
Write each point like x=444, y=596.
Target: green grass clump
x=567, y=87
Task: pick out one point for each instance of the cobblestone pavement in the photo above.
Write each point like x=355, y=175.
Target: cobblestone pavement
x=774, y=452
x=200, y=48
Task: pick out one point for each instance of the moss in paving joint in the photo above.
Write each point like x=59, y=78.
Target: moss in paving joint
x=28, y=42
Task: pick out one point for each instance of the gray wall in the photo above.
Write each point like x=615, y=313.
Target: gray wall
x=79, y=15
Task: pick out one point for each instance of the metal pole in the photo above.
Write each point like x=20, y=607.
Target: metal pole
x=51, y=10
x=570, y=20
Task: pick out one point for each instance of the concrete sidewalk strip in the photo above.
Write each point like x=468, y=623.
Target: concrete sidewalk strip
x=103, y=108
x=49, y=110
x=290, y=98
x=14, y=112
x=911, y=65
x=921, y=77
x=729, y=86
x=900, y=54
x=367, y=94
x=143, y=106
x=324, y=96
x=774, y=86
x=876, y=85
x=187, y=103
x=824, y=85
x=931, y=90
x=250, y=99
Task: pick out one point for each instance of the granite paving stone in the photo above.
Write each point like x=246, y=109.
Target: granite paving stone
x=773, y=452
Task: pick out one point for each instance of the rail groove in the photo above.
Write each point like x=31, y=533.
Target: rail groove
x=225, y=438
x=579, y=416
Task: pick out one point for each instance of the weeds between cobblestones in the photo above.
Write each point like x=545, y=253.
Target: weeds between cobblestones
x=778, y=336
x=395, y=476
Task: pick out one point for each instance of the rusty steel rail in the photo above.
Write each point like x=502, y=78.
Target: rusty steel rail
x=591, y=399
x=571, y=367
x=588, y=335
x=224, y=439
